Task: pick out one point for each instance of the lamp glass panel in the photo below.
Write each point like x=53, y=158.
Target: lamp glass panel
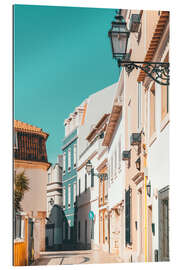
x=119, y=41
x=88, y=168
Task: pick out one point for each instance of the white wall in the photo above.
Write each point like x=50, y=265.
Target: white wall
x=98, y=104
x=158, y=163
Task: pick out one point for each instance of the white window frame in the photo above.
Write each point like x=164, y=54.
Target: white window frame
x=69, y=196
x=111, y=160
x=115, y=162
x=129, y=123
x=69, y=229
x=64, y=197
x=74, y=192
x=139, y=105
x=64, y=162
x=119, y=154
x=69, y=159
x=75, y=156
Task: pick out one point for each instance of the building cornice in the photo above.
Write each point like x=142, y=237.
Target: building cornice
x=116, y=110
x=84, y=163
x=155, y=41
x=31, y=164
x=98, y=127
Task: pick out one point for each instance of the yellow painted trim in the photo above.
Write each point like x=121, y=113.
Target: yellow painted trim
x=145, y=198
x=31, y=164
x=84, y=114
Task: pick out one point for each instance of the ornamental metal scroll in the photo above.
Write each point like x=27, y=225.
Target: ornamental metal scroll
x=157, y=71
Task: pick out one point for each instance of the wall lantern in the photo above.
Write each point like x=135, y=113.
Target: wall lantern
x=138, y=164
x=101, y=176
x=51, y=201
x=148, y=188
x=119, y=35
x=88, y=167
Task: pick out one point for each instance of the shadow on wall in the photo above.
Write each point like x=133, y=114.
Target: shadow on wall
x=84, y=225
x=61, y=236
x=54, y=228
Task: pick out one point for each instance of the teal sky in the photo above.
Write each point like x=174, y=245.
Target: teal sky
x=61, y=56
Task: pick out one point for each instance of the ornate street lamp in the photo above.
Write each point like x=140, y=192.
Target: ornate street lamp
x=119, y=35
x=89, y=171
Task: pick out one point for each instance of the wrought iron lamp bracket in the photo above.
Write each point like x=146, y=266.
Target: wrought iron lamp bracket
x=157, y=71
x=101, y=176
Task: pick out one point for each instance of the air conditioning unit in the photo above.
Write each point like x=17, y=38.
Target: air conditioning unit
x=134, y=23
x=135, y=138
x=126, y=155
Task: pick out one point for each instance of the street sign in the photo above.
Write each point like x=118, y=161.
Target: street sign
x=91, y=215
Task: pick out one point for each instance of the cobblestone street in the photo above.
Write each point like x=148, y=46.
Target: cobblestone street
x=76, y=257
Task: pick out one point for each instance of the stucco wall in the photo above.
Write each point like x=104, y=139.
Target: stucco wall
x=98, y=104
x=34, y=199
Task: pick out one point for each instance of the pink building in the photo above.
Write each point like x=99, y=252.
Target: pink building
x=137, y=137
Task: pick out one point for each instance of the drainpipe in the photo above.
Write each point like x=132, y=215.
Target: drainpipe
x=145, y=195
x=108, y=226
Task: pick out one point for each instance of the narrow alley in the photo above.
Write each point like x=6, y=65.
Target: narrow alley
x=76, y=257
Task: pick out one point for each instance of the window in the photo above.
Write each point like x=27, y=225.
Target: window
x=111, y=168
x=165, y=96
x=64, y=162
x=139, y=105
x=64, y=197
x=15, y=140
x=163, y=198
x=100, y=192
x=69, y=196
x=69, y=159
x=105, y=190
x=85, y=182
x=17, y=226
x=74, y=193
x=75, y=155
x=115, y=162
x=164, y=101
x=119, y=154
x=69, y=229
x=129, y=123
x=79, y=187
x=49, y=178
x=128, y=216
x=92, y=177
x=152, y=110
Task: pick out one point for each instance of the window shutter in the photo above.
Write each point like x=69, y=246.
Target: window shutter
x=128, y=215
x=85, y=182
x=79, y=187
x=92, y=177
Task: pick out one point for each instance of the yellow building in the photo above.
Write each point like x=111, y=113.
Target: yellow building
x=30, y=156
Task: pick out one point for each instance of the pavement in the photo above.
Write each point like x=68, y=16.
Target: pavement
x=76, y=257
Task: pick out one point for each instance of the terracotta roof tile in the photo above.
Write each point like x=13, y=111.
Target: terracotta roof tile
x=19, y=125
